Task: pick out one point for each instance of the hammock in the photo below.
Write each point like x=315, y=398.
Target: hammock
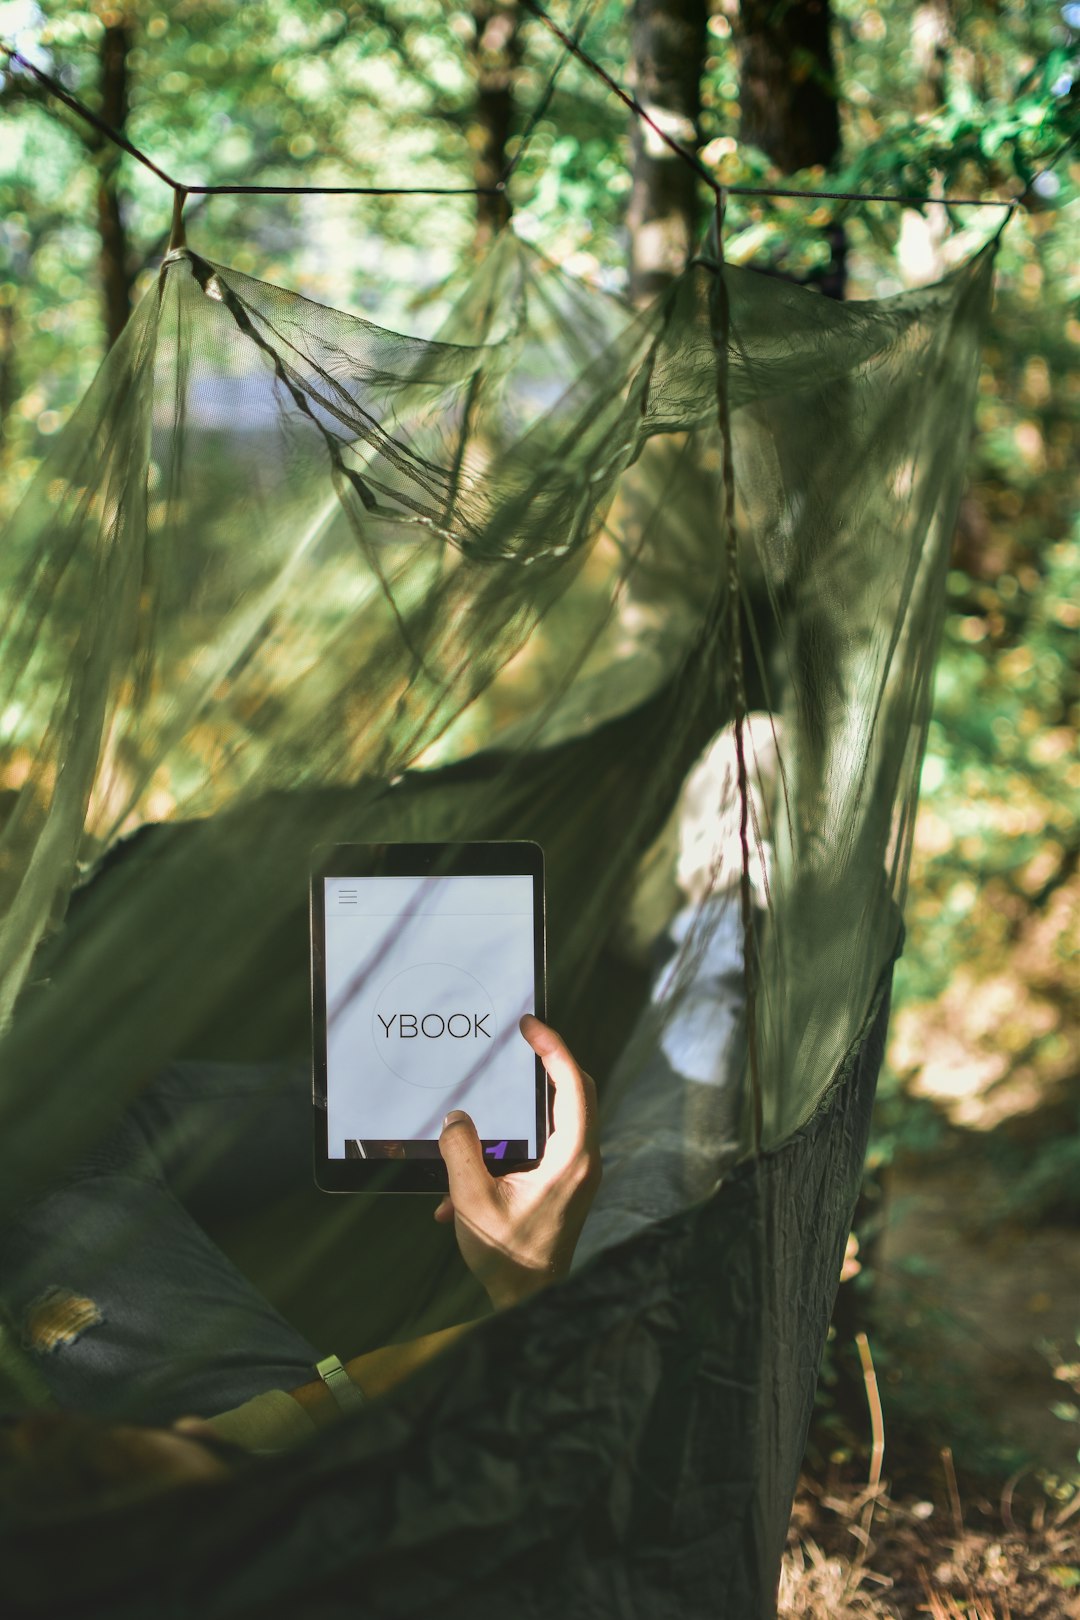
x=287, y=578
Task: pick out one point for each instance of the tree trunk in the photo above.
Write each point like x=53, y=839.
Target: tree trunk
x=114, y=260
x=787, y=82
x=9, y=385
x=668, y=50
x=787, y=97
x=496, y=52
x=932, y=36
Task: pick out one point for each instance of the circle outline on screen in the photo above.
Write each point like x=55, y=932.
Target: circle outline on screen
x=421, y=1085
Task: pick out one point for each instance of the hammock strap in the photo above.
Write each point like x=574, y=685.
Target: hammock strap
x=721, y=336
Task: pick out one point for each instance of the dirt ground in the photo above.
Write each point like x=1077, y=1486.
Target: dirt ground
x=857, y=1557
x=995, y=1296
x=983, y=1520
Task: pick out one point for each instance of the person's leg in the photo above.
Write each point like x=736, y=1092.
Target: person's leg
x=670, y=1127
x=126, y=1305
x=227, y=1137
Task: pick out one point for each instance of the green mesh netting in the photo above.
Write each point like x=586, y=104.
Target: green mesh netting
x=288, y=578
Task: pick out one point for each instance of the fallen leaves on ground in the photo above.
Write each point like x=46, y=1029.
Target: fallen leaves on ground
x=857, y=1555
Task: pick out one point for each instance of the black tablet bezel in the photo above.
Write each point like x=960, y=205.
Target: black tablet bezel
x=517, y=858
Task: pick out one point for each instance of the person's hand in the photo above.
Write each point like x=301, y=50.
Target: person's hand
x=519, y=1231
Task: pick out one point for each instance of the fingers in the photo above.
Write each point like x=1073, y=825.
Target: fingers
x=472, y=1186
x=195, y=1426
x=575, y=1093
x=468, y=1175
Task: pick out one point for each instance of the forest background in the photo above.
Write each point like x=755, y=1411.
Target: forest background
x=968, y=1261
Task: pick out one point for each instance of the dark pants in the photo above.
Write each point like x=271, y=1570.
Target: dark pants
x=126, y=1305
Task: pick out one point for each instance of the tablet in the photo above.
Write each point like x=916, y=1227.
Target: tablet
x=423, y=959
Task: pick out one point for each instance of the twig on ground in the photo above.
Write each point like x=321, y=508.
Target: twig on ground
x=954, y=1492
x=877, y=1451
x=1007, y=1499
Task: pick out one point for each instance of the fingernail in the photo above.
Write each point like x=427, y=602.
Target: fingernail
x=453, y=1116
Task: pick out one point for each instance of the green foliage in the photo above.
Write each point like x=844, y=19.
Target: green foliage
x=999, y=99
x=990, y=989
x=1064, y=1367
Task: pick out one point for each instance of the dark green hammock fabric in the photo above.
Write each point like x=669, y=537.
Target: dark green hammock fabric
x=289, y=578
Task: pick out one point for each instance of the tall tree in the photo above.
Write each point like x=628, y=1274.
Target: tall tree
x=495, y=48
x=8, y=374
x=787, y=82
x=668, y=50
x=933, y=27
x=115, y=255
x=787, y=96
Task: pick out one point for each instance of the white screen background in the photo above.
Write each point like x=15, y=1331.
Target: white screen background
x=456, y=952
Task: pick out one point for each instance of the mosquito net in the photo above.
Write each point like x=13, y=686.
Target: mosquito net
x=661, y=591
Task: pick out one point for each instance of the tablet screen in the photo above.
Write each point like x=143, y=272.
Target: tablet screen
x=425, y=980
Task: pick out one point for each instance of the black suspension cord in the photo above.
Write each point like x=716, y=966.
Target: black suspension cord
x=721, y=190
x=91, y=118
x=338, y=191
x=635, y=106
x=573, y=47
x=544, y=102
x=182, y=189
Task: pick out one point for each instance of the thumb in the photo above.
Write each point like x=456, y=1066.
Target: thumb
x=463, y=1156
